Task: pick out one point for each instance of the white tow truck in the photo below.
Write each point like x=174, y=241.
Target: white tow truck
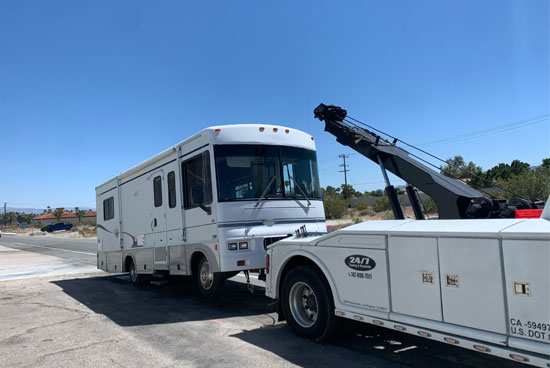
x=477, y=283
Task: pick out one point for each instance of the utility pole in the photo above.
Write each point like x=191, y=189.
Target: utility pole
x=345, y=171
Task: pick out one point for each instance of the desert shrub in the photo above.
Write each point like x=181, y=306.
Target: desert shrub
x=381, y=204
x=387, y=215
x=429, y=206
x=367, y=212
x=361, y=207
x=335, y=207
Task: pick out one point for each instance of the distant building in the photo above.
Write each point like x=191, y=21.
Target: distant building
x=89, y=217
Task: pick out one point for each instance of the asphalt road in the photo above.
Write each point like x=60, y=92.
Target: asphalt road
x=91, y=319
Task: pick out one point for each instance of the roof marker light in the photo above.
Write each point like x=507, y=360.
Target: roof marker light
x=262, y=129
x=311, y=138
x=287, y=130
x=275, y=129
x=358, y=318
x=399, y=328
x=451, y=341
x=377, y=322
x=217, y=130
x=424, y=334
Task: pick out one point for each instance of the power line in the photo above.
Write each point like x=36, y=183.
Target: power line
x=486, y=132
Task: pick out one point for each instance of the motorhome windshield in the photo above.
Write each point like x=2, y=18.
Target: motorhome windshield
x=245, y=172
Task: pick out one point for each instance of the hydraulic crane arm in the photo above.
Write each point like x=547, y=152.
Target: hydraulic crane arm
x=454, y=198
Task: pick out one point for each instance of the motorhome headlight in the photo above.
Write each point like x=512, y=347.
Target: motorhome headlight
x=243, y=245
x=232, y=246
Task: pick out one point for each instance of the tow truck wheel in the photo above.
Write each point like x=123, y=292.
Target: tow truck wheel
x=209, y=283
x=135, y=277
x=308, y=305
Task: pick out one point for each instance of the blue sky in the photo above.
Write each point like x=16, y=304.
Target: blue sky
x=90, y=88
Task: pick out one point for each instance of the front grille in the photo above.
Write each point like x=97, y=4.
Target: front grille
x=271, y=240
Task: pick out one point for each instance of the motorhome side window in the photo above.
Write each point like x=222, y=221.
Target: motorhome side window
x=157, y=191
x=197, y=180
x=171, y=189
x=108, y=208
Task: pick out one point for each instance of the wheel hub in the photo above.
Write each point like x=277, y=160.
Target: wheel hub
x=303, y=304
x=206, y=277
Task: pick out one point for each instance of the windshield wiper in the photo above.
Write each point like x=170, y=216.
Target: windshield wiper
x=301, y=190
x=269, y=184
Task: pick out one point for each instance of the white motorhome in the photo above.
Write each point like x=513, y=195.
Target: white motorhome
x=210, y=205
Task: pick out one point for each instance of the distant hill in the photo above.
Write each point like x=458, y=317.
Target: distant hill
x=40, y=210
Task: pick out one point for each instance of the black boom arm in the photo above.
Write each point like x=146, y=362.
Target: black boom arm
x=453, y=198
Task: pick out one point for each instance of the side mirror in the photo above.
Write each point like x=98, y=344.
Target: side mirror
x=197, y=194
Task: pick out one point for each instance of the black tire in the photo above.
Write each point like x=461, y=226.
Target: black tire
x=135, y=278
x=49, y=230
x=209, y=283
x=67, y=228
x=307, y=304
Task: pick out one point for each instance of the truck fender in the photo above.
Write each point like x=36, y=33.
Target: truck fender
x=312, y=257
x=206, y=251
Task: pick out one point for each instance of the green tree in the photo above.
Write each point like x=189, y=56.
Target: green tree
x=58, y=212
x=79, y=213
x=530, y=184
x=330, y=191
x=375, y=193
x=335, y=206
x=49, y=210
x=471, y=173
x=546, y=162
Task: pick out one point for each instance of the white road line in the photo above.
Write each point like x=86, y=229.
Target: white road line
x=62, y=250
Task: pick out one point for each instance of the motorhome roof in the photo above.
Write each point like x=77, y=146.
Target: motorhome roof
x=233, y=134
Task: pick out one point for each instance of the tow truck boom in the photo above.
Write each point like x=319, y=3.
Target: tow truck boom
x=454, y=198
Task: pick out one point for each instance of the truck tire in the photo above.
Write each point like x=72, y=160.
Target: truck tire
x=307, y=304
x=135, y=278
x=209, y=283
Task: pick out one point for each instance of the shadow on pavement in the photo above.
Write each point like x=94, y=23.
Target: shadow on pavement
x=366, y=345
x=174, y=301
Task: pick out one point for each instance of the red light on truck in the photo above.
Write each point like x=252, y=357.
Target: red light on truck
x=267, y=263
x=262, y=129
x=242, y=262
x=528, y=213
x=275, y=129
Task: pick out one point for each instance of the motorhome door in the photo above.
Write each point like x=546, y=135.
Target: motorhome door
x=158, y=217
x=198, y=204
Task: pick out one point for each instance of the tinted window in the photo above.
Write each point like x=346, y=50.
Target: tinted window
x=157, y=191
x=196, y=177
x=250, y=171
x=108, y=208
x=171, y=189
